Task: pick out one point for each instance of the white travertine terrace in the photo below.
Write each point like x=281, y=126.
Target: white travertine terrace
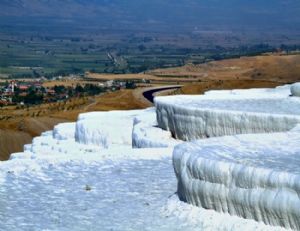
x=113, y=170
x=147, y=134
x=254, y=177
x=196, y=117
x=107, y=129
x=295, y=89
x=64, y=131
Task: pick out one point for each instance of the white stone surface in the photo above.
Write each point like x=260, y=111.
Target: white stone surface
x=64, y=131
x=295, y=89
x=62, y=185
x=193, y=117
x=107, y=129
x=251, y=176
x=146, y=134
x=89, y=176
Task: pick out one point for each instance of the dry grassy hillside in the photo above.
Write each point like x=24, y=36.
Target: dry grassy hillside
x=246, y=72
x=17, y=132
x=12, y=141
x=283, y=68
x=270, y=67
x=200, y=88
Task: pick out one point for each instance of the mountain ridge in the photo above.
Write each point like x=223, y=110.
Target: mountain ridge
x=231, y=14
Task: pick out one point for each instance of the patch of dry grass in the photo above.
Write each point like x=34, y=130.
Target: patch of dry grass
x=200, y=88
x=12, y=141
x=281, y=68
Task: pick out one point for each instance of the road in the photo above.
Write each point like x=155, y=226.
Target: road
x=149, y=94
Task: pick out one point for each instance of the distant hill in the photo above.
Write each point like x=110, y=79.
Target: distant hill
x=168, y=14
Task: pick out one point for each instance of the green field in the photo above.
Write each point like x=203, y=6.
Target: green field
x=35, y=56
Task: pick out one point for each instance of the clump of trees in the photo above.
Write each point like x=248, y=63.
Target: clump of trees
x=39, y=95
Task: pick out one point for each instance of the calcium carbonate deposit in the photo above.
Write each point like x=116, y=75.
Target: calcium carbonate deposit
x=243, y=176
x=195, y=117
x=115, y=170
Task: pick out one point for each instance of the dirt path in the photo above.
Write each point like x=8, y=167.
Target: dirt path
x=93, y=103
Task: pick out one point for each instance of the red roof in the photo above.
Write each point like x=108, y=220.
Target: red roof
x=23, y=87
x=50, y=91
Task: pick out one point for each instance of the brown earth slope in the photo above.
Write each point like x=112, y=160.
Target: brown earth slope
x=282, y=68
x=17, y=132
x=12, y=141
x=246, y=72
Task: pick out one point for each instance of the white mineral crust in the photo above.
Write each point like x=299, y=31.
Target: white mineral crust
x=251, y=176
x=196, y=117
x=113, y=170
x=295, y=89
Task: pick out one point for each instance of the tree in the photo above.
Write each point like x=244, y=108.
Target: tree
x=59, y=89
x=130, y=85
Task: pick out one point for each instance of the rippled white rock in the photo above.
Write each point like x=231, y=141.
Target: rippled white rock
x=147, y=134
x=105, y=190
x=251, y=176
x=65, y=180
x=64, y=131
x=295, y=89
x=107, y=129
x=196, y=117
x=62, y=185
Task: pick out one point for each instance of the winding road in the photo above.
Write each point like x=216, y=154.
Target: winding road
x=149, y=94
